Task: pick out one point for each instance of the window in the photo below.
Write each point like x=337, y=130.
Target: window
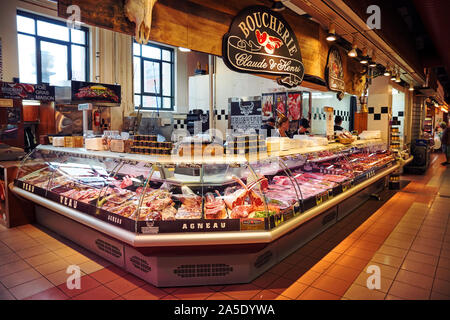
x=153, y=77
x=49, y=51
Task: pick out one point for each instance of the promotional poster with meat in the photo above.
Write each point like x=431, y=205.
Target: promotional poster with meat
x=267, y=105
x=281, y=101
x=294, y=103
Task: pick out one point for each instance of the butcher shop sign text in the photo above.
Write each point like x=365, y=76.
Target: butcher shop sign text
x=260, y=41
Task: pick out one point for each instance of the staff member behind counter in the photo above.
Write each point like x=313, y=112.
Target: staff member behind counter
x=337, y=123
x=282, y=127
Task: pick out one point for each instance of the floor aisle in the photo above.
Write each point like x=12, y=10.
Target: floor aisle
x=406, y=235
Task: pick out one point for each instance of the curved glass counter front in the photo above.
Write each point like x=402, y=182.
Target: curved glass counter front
x=147, y=196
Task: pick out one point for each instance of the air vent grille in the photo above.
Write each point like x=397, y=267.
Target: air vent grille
x=108, y=248
x=263, y=259
x=203, y=270
x=140, y=264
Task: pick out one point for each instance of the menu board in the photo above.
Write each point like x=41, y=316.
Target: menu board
x=95, y=92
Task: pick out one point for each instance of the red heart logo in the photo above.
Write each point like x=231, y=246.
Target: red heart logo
x=261, y=37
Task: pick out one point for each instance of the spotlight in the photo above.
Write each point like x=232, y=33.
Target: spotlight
x=365, y=58
x=331, y=33
x=278, y=5
x=372, y=62
x=352, y=53
x=387, y=72
x=411, y=88
x=184, y=49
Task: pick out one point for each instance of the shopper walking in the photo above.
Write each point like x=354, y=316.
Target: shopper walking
x=445, y=140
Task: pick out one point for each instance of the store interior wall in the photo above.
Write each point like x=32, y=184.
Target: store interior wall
x=380, y=106
x=398, y=109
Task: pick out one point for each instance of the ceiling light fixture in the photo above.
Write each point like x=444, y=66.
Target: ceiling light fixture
x=397, y=79
x=372, y=62
x=365, y=58
x=331, y=33
x=278, y=5
x=352, y=53
x=411, y=88
x=184, y=49
x=387, y=71
x=393, y=75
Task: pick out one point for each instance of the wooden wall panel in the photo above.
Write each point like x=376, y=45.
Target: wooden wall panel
x=201, y=24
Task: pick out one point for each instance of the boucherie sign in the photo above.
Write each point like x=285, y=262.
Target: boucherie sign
x=261, y=41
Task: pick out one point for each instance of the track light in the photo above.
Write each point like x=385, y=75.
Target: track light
x=365, y=58
x=372, y=62
x=331, y=33
x=278, y=5
x=387, y=71
x=411, y=88
x=397, y=78
x=352, y=53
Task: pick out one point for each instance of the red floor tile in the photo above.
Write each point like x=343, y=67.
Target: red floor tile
x=146, y=292
x=49, y=294
x=241, y=291
x=331, y=285
x=125, y=284
x=108, y=274
x=194, y=293
x=312, y=293
x=98, y=293
x=265, y=295
x=86, y=283
x=343, y=273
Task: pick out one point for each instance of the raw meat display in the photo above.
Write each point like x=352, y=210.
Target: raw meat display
x=264, y=189
x=215, y=208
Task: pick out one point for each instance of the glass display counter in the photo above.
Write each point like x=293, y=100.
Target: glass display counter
x=158, y=207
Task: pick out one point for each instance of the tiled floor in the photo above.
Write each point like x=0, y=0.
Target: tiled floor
x=406, y=235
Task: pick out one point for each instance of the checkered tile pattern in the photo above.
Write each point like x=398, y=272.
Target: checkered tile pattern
x=180, y=124
x=321, y=115
x=377, y=112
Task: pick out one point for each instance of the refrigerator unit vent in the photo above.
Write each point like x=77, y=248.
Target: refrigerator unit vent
x=263, y=259
x=108, y=248
x=140, y=264
x=203, y=270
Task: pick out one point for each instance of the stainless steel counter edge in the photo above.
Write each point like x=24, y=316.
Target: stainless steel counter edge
x=197, y=239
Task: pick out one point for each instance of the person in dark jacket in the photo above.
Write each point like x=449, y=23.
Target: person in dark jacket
x=304, y=126
x=269, y=125
x=445, y=140
x=337, y=123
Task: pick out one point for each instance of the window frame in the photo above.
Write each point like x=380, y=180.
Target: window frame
x=160, y=89
x=68, y=44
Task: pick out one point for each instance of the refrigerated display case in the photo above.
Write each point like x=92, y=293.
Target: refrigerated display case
x=178, y=218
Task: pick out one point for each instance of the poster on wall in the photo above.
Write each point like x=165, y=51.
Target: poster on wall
x=281, y=104
x=260, y=41
x=267, y=102
x=334, y=73
x=245, y=113
x=294, y=103
x=40, y=92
